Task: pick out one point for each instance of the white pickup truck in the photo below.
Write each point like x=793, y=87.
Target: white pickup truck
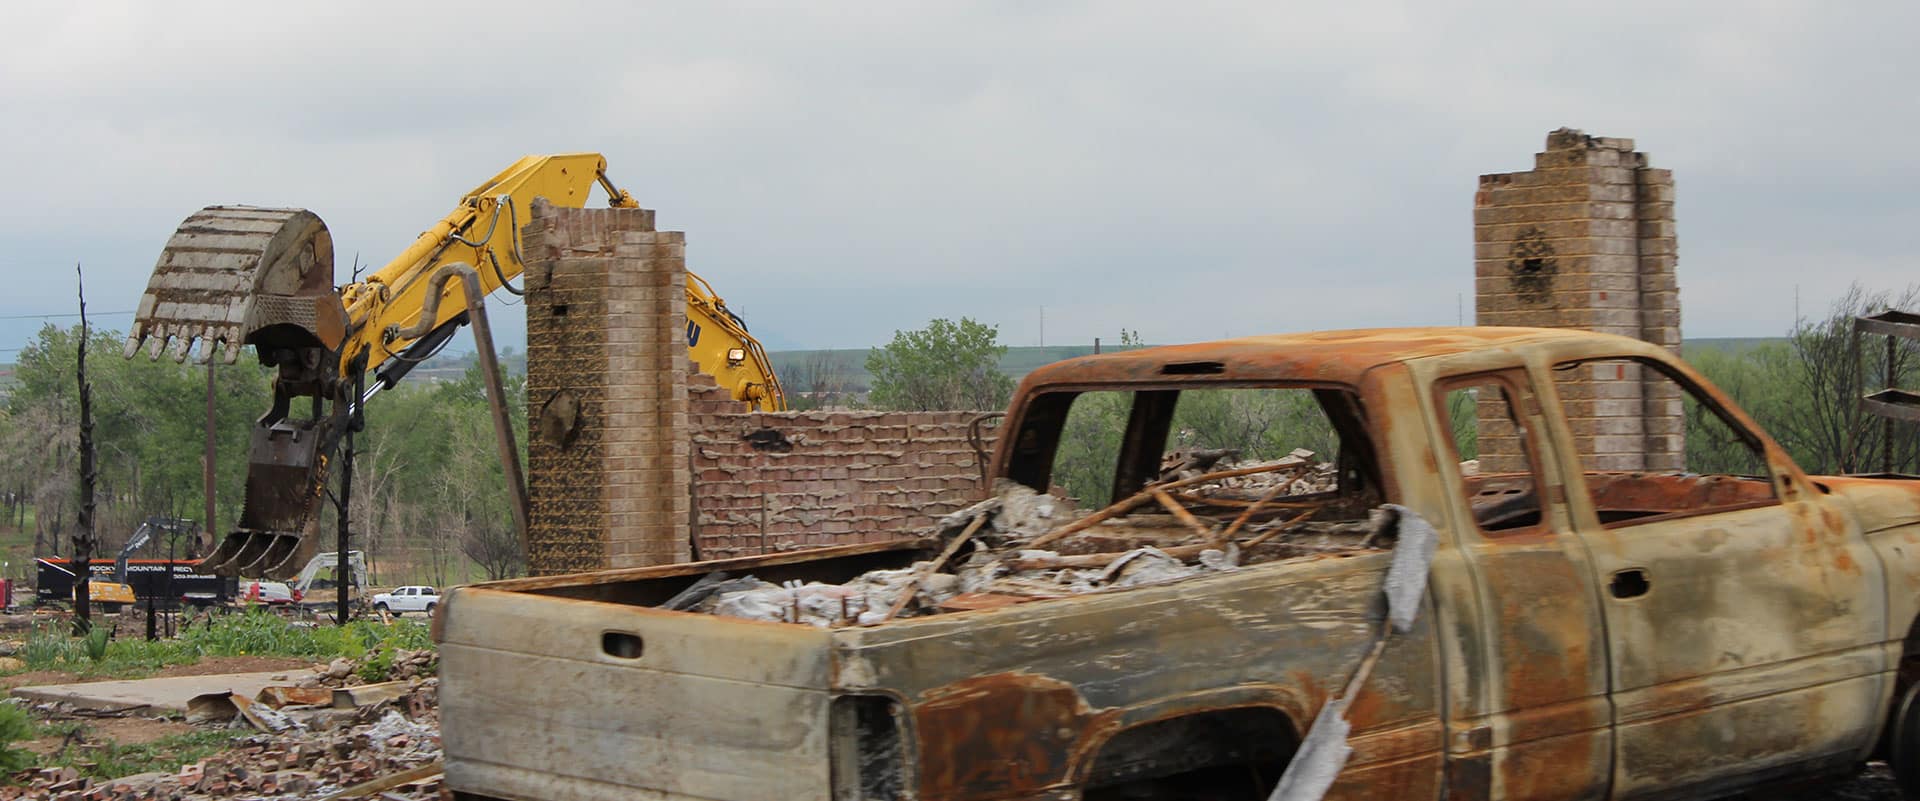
x=408, y=599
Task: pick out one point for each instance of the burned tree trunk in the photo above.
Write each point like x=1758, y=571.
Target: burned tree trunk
x=83, y=535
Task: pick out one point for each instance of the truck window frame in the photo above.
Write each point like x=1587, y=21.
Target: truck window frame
x=1034, y=439
x=1777, y=481
x=1518, y=410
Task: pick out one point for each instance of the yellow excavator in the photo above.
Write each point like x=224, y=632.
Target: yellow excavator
x=236, y=276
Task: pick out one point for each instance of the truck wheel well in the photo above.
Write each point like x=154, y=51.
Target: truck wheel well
x=1909, y=666
x=1222, y=754
x=1906, y=672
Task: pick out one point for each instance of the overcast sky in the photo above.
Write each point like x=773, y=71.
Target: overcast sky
x=843, y=170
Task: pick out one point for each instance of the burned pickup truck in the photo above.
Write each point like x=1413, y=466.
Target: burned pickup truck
x=1183, y=565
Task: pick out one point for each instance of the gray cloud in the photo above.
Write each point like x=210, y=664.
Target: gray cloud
x=845, y=171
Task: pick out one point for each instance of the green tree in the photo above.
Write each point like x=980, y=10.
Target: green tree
x=429, y=489
x=149, y=419
x=1806, y=393
x=1089, y=450
x=946, y=365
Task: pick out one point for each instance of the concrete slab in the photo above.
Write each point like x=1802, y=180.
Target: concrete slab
x=160, y=694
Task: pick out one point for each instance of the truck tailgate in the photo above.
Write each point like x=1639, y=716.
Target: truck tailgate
x=534, y=706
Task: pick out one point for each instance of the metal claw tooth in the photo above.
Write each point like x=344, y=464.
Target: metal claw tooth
x=207, y=345
x=156, y=342
x=133, y=344
x=234, y=345
x=182, y=345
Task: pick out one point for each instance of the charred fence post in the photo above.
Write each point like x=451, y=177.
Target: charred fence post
x=83, y=537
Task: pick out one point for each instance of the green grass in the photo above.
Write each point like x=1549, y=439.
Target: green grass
x=109, y=760
x=256, y=633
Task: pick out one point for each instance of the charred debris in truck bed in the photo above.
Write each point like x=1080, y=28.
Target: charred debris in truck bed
x=1204, y=515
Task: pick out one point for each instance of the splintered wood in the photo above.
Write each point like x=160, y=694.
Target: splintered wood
x=1188, y=523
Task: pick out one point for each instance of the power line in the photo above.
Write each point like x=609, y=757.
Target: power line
x=72, y=314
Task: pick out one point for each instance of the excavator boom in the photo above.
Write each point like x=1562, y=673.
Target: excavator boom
x=236, y=276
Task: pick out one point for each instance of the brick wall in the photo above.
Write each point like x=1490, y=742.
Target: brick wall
x=766, y=481
x=1586, y=240
x=632, y=450
x=607, y=468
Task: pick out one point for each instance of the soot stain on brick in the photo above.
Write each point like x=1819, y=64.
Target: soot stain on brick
x=769, y=439
x=1531, y=266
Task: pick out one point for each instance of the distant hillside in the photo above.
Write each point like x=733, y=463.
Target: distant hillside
x=1733, y=346
x=850, y=363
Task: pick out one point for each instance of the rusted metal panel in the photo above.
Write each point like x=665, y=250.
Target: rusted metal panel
x=1783, y=624
x=1042, y=686
x=1727, y=602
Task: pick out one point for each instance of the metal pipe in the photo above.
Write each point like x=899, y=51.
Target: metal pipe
x=489, y=367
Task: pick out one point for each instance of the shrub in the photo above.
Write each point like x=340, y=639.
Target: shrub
x=15, y=726
x=96, y=643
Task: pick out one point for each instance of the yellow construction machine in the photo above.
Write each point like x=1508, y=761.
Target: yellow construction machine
x=233, y=276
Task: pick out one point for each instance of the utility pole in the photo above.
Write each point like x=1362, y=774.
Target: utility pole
x=206, y=469
x=342, y=574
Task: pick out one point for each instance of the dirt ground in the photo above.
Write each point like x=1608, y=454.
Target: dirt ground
x=125, y=731
x=207, y=666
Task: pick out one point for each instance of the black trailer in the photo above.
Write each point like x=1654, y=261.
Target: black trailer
x=148, y=578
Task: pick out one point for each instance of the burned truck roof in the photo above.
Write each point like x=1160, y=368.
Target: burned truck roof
x=1339, y=357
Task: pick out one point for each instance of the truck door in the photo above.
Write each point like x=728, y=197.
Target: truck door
x=1743, y=608
x=1527, y=712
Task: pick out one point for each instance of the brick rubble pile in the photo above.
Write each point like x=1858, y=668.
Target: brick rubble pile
x=321, y=750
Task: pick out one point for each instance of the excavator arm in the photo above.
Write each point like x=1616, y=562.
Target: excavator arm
x=236, y=276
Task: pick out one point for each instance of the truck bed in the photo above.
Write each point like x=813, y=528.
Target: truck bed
x=561, y=678
x=562, y=699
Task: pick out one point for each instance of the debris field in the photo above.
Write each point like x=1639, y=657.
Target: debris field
x=327, y=733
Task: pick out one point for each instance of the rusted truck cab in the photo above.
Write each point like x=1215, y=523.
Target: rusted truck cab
x=1589, y=631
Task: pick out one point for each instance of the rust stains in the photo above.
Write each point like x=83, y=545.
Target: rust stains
x=1000, y=736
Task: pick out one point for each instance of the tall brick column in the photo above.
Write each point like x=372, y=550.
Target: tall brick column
x=1586, y=240
x=607, y=456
